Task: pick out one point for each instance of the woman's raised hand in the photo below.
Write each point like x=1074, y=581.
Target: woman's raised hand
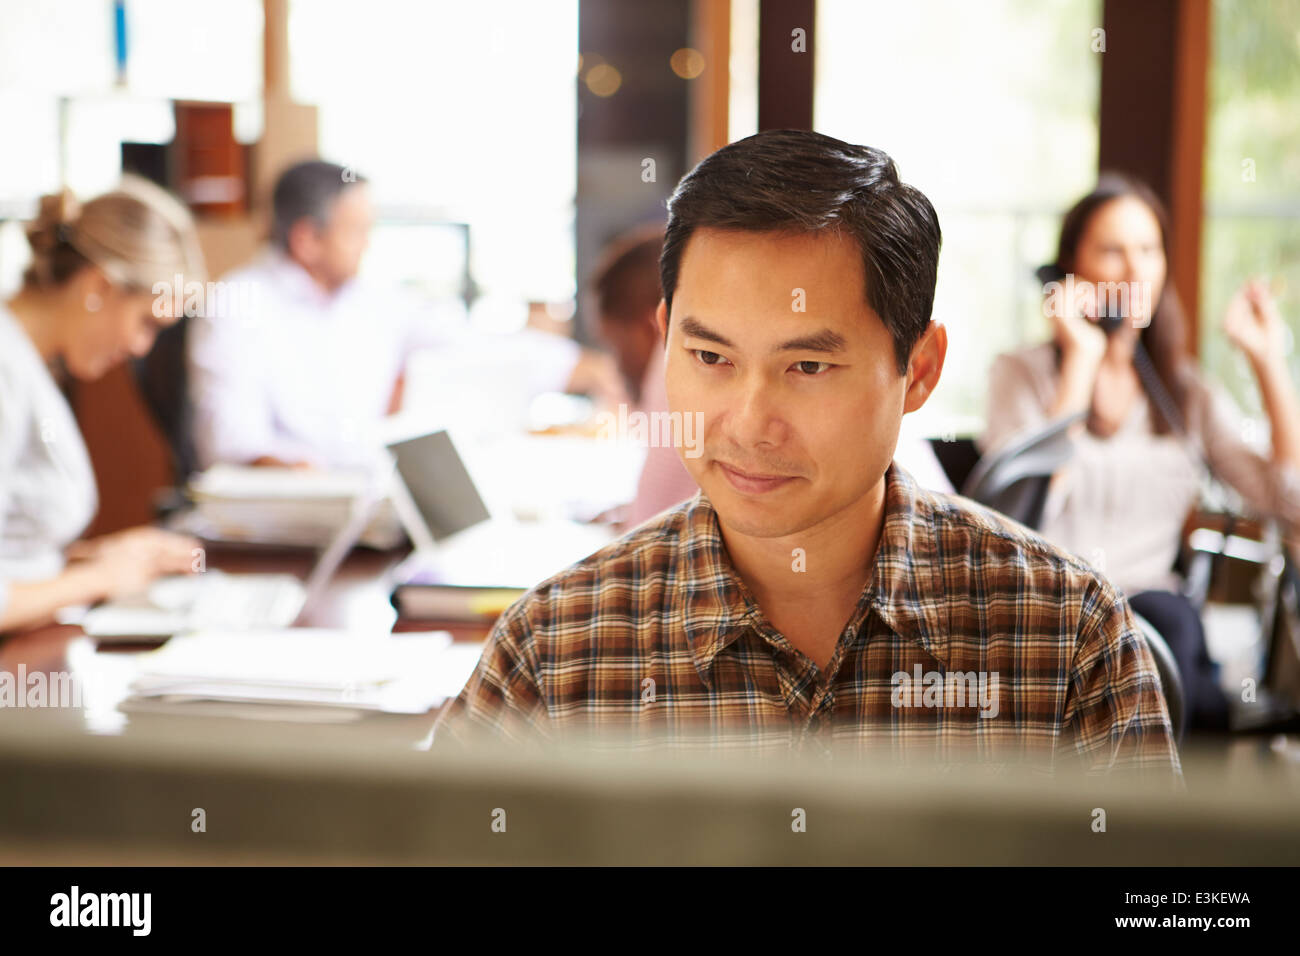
x=1254, y=325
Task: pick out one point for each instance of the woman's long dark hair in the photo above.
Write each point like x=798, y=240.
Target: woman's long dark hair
x=1165, y=338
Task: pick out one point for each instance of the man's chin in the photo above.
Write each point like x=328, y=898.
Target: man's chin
x=774, y=515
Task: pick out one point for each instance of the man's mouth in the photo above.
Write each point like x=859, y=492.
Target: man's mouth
x=753, y=483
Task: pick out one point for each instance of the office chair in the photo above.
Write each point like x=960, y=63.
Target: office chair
x=1015, y=479
x=1170, y=680
x=1015, y=482
x=163, y=381
x=1274, y=709
x=957, y=457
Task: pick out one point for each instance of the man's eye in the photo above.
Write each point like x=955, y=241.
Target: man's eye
x=816, y=367
x=709, y=358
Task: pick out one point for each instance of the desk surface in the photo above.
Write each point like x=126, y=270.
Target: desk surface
x=357, y=599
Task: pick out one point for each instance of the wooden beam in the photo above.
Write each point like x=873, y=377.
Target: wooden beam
x=1152, y=122
x=710, y=91
x=785, y=64
x=290, y=131
x=275, y=47
x=1187, y=159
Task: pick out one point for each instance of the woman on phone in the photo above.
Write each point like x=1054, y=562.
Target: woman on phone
x=1152, y=424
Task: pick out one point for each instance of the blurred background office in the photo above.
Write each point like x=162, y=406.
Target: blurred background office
x=506, y=144
x=502, y=166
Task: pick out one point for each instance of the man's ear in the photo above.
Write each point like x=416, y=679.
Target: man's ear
x=661, y=320
x=925, y=366
x=304, y=241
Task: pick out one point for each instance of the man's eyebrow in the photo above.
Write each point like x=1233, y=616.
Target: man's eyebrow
x=699, y=330
x=823, y=341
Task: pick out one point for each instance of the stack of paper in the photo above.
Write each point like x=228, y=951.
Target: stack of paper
x=477, y=573
x=303, y=673
x=292, y=506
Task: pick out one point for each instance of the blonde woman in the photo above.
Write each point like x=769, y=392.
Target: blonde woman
x=85, y=305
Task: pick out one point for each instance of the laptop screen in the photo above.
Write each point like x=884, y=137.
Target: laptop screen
x=439, y=484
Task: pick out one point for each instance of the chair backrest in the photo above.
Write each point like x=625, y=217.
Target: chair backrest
x=1282, y=660
x=164, y=385
x=1170, y=681
x=1015, y=479
x=957, y=457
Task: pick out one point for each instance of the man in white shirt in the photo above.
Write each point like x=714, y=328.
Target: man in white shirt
x=298, y=361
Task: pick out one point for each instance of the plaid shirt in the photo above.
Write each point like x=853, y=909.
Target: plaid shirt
x=655, y=638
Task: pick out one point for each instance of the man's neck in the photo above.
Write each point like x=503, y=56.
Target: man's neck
x=823, y=567
x=318, y=279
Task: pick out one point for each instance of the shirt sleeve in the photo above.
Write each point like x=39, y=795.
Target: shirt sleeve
x=1270, y=488
x=432, y=325
x=548, y=359
x=502, y=699
x=544, y=360
x=233, y=419
x=13, y=410
x=1115, y=714
x=1014, y=405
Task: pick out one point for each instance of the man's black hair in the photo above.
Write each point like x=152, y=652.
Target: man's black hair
x=307, y=191
x=798, y=181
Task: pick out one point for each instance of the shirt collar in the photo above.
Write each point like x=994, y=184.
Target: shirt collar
x=296, y=284
x=905, y=589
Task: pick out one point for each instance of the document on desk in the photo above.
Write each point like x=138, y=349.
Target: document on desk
x=290, y=506
x=506, y=554
x=303, y=673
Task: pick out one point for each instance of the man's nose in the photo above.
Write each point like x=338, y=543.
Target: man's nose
x=755, y=414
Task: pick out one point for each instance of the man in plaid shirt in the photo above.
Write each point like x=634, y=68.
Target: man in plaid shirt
x=813, y=597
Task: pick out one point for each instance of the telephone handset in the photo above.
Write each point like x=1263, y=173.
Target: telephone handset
x=1155, y=389
x=1111, y=322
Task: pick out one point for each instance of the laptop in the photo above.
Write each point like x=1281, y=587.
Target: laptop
x=215, y=599
x=458, y=542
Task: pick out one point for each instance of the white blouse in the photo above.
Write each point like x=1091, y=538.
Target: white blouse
x=1123, y=499
x=47, y=485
